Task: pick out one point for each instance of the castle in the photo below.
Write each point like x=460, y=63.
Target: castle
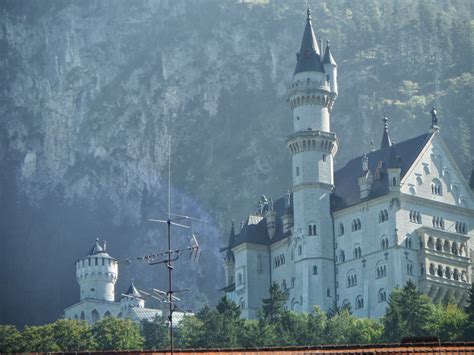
x=348, y=237
x=97, y=273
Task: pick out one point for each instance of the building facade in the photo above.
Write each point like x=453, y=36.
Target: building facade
x=402, y=212
x=96, y=274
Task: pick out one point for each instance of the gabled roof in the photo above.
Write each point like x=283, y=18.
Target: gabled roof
x=403, y=155
x=308, y=58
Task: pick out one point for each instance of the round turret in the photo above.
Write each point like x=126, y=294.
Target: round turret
x=97, y=273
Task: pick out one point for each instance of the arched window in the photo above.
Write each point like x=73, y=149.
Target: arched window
x=432, y=269
x=95, y=316
x=342, y=256
x=359, y=302
x=454, y=248
x=380, y=270
x=456, y=274
x=408, y=243
x=448, y=272
x=107, y=314
x=439, y=244
x=83, y=316
x=357, y=252
x=440, y=271
x=300, y=250
x=239, y=279
x=312, y=229
x=351, y=278
x=356, y=224
x=409, y=268
x=341, y=229
x=384, y=243
x=436, y=187
x=297, y=171
x=315, y=270
x=382, y=296
x=430, y=242
x=383, y=216
x=446, y=246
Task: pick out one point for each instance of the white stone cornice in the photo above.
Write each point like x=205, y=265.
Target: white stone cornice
x=308, y=185
x=441, y=206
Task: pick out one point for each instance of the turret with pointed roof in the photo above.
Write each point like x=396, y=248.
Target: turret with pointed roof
x=309, y=58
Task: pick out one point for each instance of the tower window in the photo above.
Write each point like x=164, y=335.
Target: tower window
x=356, y=225
x=297, y=118
x=297, y=171
x=312, y=229
x=315, y=270
x=381, y=271
x=341, y=229
x=383, y=216
x=384, y=243
x=382, y=297
x=415, y=217
x=300, y=250
x=359, y=302
x=324, y=157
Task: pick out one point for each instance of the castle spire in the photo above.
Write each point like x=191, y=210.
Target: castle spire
x=328, y=58
x=386, y=141
x=308, y=58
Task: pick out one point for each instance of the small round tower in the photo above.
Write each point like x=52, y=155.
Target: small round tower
x=131, y=298
x=97, y=274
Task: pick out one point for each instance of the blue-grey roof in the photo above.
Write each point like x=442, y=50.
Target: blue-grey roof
x=308, y=58
x=98, y=250
x=401, y=155
x=328, y=58
x=255, y=229
x=132, y=291
x=346, y=193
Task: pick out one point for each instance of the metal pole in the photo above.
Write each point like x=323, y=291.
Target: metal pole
x=170, y=290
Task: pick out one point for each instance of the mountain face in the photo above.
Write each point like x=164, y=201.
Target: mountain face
x=93, y=92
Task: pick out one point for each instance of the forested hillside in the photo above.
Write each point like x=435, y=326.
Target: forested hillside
x=93, y=91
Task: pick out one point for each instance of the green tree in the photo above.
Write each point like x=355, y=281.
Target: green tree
x=39, y=339
x=117, y=334
x=273, y=307
x=409, y=313
x=72, y=335
x=469, y=327
x=10, y=339
x=191, y=333
x=156, y=333
x=449, y=322
x=230, y=322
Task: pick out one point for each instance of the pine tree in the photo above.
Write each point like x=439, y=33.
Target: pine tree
x=409, y=314
x=273, y=307
x=469, y=328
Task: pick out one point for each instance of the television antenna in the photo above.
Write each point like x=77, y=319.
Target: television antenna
x=171, y=255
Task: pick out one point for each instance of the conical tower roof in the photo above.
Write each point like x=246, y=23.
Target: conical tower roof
x=132, y=291
x=328, y=58
x=308, y=58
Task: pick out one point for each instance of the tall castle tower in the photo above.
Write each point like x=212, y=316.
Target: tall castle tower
x=313, y=146
x=97, y=274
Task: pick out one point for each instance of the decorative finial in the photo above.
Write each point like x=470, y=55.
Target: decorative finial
x=97, y=239
x=327, y=43
x=434, y=118
x=308, y=12
x=385, y=121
